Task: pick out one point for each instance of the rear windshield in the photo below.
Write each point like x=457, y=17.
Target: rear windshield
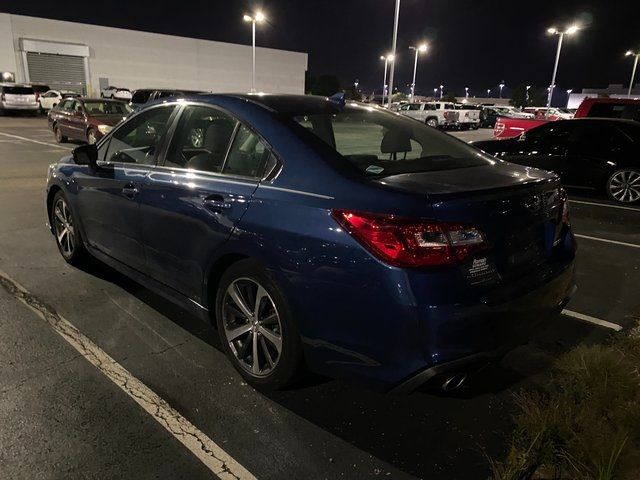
x=107, y=108
x=379, y=143
x=18, y=90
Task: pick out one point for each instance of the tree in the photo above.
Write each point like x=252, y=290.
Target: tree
x=399, y=97
x=449, y=97
x=537, y=96
x=352, y=94
x=325, y=85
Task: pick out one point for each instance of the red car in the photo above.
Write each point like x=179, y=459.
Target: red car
x=86, y=119
x=626, y=108
x=512, y=127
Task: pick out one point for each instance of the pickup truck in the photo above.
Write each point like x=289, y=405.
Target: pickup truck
x=434, y=114
x=508, y=127
x=468, y=116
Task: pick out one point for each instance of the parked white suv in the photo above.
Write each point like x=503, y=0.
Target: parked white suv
x=50, y=99
x=468, y=116
x=434, y=114
x=118, y=93
x=17, y=97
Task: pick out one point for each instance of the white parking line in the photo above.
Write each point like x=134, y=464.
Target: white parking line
x=594, y=320
x=606, y=240
x=18, y=137
x=607, y=205
x=198, y=443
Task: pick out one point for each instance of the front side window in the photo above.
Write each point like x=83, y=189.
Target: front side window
x=378, y=143
x=201, y=140
x=140, y=96
x=137, y=140
x=65, y=105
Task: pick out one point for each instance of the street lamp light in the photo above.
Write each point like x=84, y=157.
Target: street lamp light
x=489, y=92
x=527, y=97
x=466, y=92
x=561, y=33
x=441, y=89
x=501, y=87
x=418, y=49
x=255, y=18
x=387, y=59
x=633, y=72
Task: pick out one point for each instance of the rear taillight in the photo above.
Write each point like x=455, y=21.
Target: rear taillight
x=403, y=242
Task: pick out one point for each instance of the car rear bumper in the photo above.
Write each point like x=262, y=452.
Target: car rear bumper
x=19, y=106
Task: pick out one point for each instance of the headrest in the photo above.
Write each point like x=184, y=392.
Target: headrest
x=216, y=138
x=395, y=141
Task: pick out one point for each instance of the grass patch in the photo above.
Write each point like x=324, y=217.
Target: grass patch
x=584, y=423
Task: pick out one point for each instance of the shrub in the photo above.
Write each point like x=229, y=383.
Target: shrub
x=584, y=423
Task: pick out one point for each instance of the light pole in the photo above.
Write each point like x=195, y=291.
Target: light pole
x=466, y=92
x=633, y=72
x=393, y=50
x=441, y=89
x=561, y=33
x=255, y=18
x=527, y=97
x=387, y=59
x=435, y=93
x=501, y=87
x=488, y=93
x=421, y=48
x=569, y=92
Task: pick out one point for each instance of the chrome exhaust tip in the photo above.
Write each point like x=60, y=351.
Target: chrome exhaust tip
x=453, y=382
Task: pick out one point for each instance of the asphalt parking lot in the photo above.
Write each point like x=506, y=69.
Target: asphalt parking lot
x=65, y=415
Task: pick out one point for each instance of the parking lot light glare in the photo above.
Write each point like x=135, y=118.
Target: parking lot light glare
x=387, y=58
x=552, y=30
x=247, y=18
x=572, y=29
x=423, y=47
x=560, y=33
x=418, y=49
x=259, y=16
x=633, y=71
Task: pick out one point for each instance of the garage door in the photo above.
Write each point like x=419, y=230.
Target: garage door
x=61, y=72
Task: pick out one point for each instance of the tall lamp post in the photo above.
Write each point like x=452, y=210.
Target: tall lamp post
x=527, y=97
x=466, y=92
x=255, y=18
x=418, y=49
x=393, y=49
x=633, y=72
x=441, y=90
x=387, y=59
x=560, y=33
x=488, y=93
x=501, y=87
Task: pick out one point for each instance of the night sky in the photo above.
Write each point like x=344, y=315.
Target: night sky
x=475, y=43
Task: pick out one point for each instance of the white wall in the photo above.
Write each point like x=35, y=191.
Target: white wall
x=136, y=59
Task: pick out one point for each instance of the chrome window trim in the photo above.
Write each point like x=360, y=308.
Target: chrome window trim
x=219, y=177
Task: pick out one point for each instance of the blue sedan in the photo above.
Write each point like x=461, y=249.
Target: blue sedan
x=322, y=235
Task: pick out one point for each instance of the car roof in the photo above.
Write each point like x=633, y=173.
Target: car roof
x=95, y=99
x=285, y=104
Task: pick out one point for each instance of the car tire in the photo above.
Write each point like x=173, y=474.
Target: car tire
x=92, y=136
x=623, y=186
x=66, y=231
x=60, y=138
x=268, y=332
x=432, y=122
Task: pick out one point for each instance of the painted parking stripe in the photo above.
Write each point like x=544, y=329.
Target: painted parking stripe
x=594, y=320
x=197, y=442
x=25, y=139
x=607, y=205
x=606, y=240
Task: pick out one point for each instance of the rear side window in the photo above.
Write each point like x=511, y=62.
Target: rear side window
x=19, y=90
x=201, y=140
x=140, y=96
x=414, y=106
x=65, y=105
x=137, y=140
x=612, y=110
x=248, y=155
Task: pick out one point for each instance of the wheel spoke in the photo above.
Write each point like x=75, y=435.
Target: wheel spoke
x=274, y=339
x=270, y=319
x=260, y=294
x=236, y=296
x=266, y=353
x=255, y=366
x=58, y=215
x=242, y=353
x=62, y=234
x=238, y=331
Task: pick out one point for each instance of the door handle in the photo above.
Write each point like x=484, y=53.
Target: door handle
x=216, y=203
x=130, y=190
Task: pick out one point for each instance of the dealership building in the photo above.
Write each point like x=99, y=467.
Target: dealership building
x=86, y=58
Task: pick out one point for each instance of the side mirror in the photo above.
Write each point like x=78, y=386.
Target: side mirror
x=86, y=155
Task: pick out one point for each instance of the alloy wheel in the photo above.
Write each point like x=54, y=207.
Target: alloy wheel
x=624, y=186
x=252, y=326
x=64, y=229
